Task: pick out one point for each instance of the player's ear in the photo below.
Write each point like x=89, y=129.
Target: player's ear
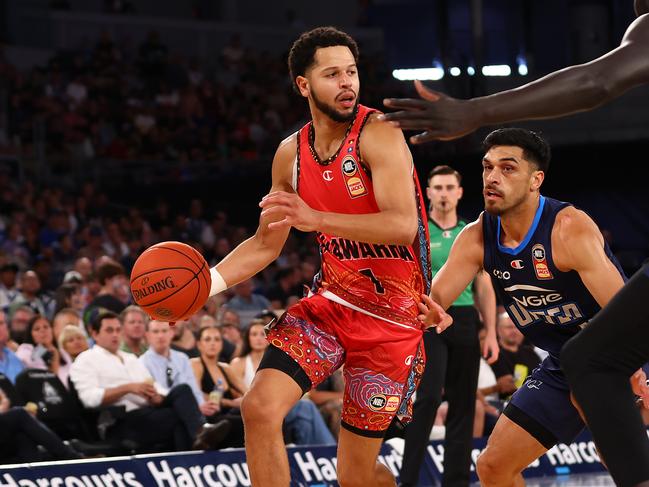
x=302, y=85
x=537, y=180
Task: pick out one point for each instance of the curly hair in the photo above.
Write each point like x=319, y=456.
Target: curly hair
x=302, y=54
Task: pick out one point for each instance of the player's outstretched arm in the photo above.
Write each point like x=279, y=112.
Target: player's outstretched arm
x=385, y=152
x=255, y=253
x=570, y=90
x=463, y=263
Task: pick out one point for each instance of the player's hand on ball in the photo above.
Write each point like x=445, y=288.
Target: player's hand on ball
x=433, y=315
x=640, y=387
x=289, y=210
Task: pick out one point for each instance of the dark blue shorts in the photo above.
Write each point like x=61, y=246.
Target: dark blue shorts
x=542, y=406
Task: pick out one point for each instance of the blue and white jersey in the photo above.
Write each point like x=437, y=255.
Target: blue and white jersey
x=547, y=305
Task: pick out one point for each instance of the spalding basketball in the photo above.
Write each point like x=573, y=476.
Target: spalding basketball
x=170, y=281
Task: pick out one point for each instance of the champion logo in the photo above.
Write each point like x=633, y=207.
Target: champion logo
x=328, y=175
x=517, y=264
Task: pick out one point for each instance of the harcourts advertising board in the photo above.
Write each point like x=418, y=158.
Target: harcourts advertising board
x=310, y=467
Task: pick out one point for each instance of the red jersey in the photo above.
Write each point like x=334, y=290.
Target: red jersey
x=381, y=280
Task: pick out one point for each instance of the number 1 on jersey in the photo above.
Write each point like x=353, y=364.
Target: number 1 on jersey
x=377, y=284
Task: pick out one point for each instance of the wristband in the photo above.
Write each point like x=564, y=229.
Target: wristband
x=218, y=283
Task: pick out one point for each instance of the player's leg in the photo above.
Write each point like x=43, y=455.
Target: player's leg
x=301, y=354
x=383, y=366
x=427, y=401
x=509, y=451
x=357, y=465
x=460, y=391
x=539, y=415
x=598, y=363
x=272, y=394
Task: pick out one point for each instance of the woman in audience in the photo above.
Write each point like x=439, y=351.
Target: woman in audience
x=72, y=342
x=219, y=383
x=254, y=346
x=39, y=350
x=70, y=295
x=304, y=425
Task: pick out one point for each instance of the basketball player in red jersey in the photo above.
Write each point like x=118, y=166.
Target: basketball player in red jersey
x=351, y=179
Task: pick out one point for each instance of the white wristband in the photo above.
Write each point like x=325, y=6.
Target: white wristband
x=218, y=283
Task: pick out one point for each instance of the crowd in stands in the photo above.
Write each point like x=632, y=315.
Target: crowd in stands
x=109, y=99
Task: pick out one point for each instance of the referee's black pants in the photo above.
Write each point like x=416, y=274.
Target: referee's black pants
x=452, y=365
x=598, y=362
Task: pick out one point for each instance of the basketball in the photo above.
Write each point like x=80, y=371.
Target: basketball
x=170, y=281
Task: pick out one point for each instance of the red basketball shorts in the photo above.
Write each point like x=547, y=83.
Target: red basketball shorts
x=382, y=362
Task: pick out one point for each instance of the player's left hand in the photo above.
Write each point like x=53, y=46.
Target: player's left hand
x=640, y=387
x=433, y=315
x=490, y=348
x=440, y=116
x=290, y=210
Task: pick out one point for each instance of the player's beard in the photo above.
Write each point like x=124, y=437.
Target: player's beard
x=331, y=112
x=504, y=207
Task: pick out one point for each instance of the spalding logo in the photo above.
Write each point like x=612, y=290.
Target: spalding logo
x=161, y=285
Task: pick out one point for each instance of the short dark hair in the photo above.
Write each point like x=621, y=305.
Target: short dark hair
x=95, y=322
x=444, y=171
x=109, y=268
x=302, y=53
x=535, y=148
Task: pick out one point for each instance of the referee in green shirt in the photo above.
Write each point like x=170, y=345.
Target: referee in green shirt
x=452, y=357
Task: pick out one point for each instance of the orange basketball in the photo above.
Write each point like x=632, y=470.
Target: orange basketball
x=170, y=281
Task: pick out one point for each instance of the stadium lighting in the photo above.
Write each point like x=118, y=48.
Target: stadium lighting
x=455, y=71
x=496, y=70
x=433, y=74
x=522, y=65
x=470, y=70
